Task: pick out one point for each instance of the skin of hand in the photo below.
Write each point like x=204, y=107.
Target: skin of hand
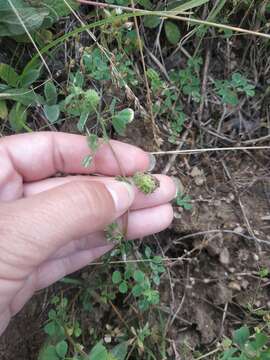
x=51, y=226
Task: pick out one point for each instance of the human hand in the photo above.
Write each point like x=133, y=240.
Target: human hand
x=53, y=226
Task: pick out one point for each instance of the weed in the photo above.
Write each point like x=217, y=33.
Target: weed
x=145, y=182
x=188, y=79
x=113, y=233
x=168, y=105
x=245, y=346
x=229, y=90
x=16, y=88
x=183, y=201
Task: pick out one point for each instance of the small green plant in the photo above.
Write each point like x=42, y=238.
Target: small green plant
x=168, y=104
x=113, y=233
x=145, y=182
x=98, y=67
x=17, y=89
x=183, y=201
x=229, y=90
x=188, y=79
x=245, y=346
x=264, y=272
x=141, y=279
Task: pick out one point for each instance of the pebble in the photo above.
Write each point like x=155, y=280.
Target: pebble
x=234, y=286
x=224, y=256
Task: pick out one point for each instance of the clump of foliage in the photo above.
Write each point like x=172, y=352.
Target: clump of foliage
x=31, y=15
x=145, y=182
x=229, y=90
x=245, y=346
x=184, y=201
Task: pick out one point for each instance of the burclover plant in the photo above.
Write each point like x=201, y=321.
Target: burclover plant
x=145, y=182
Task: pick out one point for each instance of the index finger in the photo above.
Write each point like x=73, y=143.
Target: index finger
x=37, y=156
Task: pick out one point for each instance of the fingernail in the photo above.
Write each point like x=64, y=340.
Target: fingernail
x=152, y=162
x=123, y=196
x=178, y=185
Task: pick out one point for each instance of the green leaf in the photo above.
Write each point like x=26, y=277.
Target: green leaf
x=24, y=96
x=123, y=287
x=29, y=77
x=172, y=32
x=145, y=3
x=81, y=102
x=147, y=252
x=11, y=24
x=8, y=74
x=260, y=340
x=138, y=276
x=59, y=7
x=17, y=117
x=82, y=121
x=137, y=290
x=87, y=161
x=98, y=352
x=227, y=355
x=3, y=109
x=93, y=143
x=121, y=119
x=187, y=6
x=50, y=328
x=240, y=336
x=48, y=353
x=120, y=350
x=50, y=92
x=62, y=348
x=116, y=277
x=151, y=21
x=52, y=112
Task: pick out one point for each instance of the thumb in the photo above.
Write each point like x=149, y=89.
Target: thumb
x=34, y=228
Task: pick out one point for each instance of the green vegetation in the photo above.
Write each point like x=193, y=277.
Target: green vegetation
x=246, y=347
x=146, y=183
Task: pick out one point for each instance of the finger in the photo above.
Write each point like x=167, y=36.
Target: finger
x=157, y=219
x=56, y=269
x=78, y=254
x=39, y=155
x=47, y=221
x=140, y=224
x=163, y=194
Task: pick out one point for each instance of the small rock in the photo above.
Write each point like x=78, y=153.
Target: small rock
x=196, y=172
x=256, y=257
x=238, y=230
x=107, y=339
x=177, y=215
x=198, y=176
x=224, y=257
x=234, y=286
x=244, y=284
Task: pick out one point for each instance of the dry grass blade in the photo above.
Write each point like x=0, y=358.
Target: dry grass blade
x=197, y=151
x=170, y=15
